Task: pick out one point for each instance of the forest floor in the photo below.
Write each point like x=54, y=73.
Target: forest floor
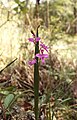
x=57, y=92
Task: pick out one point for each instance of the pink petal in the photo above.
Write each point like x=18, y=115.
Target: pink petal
x=31, y=39
x=31, y=62
x=39, y=55
x=42, y=55
x=45, y=55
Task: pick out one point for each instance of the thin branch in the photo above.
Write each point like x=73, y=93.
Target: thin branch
x=3, y=23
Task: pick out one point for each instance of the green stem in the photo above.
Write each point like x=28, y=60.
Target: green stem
x=36, y=80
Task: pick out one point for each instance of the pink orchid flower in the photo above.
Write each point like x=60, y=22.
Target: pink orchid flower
x=44, y=46
x=31, y=62
x=34, y=39
x=42, y=56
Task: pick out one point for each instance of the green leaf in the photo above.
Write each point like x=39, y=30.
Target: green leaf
x=5, y=92
x=8, y=65
x=8, y=100
x=11, y=88
x=65, y=100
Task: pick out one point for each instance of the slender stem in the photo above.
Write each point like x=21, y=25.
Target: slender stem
x=36, y=80
x=36, y=72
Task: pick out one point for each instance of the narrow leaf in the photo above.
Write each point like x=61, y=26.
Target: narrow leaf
x=8, y=65
x=8, y=100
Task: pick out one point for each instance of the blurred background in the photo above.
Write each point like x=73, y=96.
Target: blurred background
x=58, y=30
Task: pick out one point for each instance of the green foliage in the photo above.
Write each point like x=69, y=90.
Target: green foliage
x=7, y=101
x=21, y=6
